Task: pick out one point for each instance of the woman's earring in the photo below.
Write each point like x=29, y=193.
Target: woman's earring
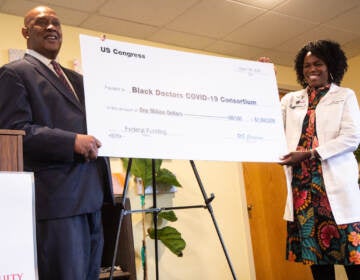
x=331, y=77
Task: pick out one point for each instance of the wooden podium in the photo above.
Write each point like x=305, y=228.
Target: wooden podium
x=11, y=150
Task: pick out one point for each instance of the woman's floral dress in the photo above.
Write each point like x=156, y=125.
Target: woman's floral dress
x=314, y=237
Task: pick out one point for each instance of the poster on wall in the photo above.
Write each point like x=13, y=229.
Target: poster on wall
x=17, y=234
x=149, y=102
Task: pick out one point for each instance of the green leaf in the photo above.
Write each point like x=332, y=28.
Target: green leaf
x=171, y=238
x=168, y=215
x=167, y=178
x=164, y=216
x=142, y=168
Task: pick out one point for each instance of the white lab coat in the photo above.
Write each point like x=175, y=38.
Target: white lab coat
x=338, y=131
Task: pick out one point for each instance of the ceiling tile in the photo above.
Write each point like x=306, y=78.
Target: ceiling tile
x=349, y=21
x=321, y=32
x=352, y=48
x=67, y=16
x=251, y=53
x=180, y=39
x=18, y=8
x=80, y=5
x=269, y=30
x=338, y=35
x=118, y=27
x=214, y=18
x=316, y=11
x=70, y=17
x=235, y=50
x=280, y=58
x=155, y=12
x=260, y=3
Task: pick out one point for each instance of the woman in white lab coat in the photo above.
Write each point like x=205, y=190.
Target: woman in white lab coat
x=322, y=126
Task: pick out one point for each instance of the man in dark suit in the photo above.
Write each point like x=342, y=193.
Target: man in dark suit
x=71, y=182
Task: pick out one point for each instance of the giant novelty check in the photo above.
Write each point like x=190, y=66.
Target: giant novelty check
x=149, y=102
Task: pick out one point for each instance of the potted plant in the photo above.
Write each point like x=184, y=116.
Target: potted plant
x=141, y=170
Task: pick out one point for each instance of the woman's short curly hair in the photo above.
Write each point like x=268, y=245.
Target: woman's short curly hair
x=328, y=51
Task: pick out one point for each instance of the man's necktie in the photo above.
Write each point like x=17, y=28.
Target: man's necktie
x=61, y=76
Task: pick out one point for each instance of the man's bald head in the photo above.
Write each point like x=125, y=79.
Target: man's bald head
x=42, y=30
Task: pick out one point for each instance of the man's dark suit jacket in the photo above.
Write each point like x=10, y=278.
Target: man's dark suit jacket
x=33, y=99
